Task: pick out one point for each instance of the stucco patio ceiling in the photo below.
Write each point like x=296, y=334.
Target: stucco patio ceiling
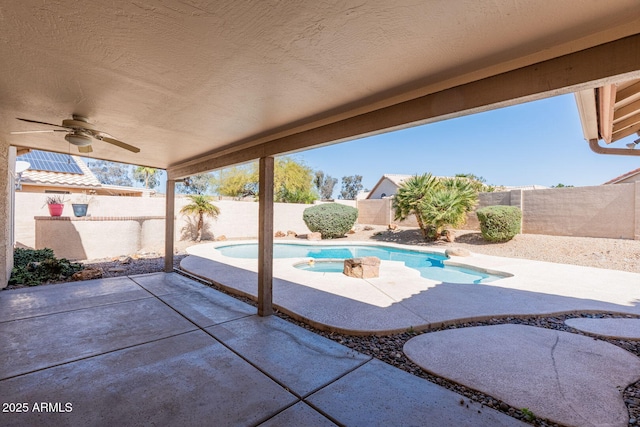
x=183, y=80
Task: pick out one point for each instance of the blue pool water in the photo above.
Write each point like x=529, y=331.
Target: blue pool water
x=429, y=265
x=322, y=266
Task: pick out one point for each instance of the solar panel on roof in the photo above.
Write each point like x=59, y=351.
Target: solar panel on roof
x=51, y=162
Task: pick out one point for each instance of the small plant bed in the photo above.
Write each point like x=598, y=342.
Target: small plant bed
x=33, y=267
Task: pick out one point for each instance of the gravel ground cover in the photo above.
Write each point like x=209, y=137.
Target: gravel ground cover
x=614, y=254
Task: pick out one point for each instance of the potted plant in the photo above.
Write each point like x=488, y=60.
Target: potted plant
x=81, y=205
x=55, y=204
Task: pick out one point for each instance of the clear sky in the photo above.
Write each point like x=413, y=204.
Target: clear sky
x=538, y=142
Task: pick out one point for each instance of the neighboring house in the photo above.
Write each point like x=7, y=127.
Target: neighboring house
x=62, y=173
x=629, y=177
x=387, y=186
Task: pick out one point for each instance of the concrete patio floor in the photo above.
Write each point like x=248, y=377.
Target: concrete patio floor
x=161, y=349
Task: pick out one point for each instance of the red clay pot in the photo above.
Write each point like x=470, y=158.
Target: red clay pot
x=55, y=210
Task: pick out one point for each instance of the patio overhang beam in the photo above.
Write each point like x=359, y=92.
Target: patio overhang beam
x=586, y=69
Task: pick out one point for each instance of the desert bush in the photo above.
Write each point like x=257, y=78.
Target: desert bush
x=499, y=223
x=331, y=220
x=33, y=267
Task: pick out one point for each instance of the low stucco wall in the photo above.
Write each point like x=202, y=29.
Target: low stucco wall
x=237, y=219
x=98, y=237
x=125, y=225
x=609, y=211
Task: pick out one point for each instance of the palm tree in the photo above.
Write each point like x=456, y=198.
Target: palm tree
x=408, y=199
x=445, y=207
x=435, y=202
x=200, y=205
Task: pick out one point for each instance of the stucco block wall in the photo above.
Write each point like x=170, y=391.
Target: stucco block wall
x=602, y=211
x=380, y=212
x=374, y=211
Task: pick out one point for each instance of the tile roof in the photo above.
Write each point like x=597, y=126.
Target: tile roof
x=87, y=179
x=623, y=176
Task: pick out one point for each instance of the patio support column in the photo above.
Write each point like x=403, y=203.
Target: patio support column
x=169, y=226
x=265, y=237
x=7, y=162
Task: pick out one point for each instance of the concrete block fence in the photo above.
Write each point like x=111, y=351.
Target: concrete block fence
x=609, y=211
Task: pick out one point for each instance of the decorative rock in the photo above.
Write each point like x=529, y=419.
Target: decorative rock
x=457, y=252
x=87, y=274
x=221, y=238
x=280, y=234
x=362, y=268
x=352, y=231
x=368, y=228
x=392, y=227
x=124, y=260
x=314, y=236
x=291, y=233
x=449, y=236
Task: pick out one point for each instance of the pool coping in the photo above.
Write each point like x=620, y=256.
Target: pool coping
x=400, y=300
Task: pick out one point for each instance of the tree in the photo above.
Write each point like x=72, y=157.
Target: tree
x=200, y=206
x=324, y=185
x=292, y=181
x=351, y=186
x=478, y=182
x=111, y=173
x=448, y=204
x=408, y=199
x=435, y=202
x=147, y=176
x=561, y=185
x=238, y=181
x=197, y=184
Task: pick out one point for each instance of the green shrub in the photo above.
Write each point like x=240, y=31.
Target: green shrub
x=499, y=223
x=33, y=267
x=330, y=219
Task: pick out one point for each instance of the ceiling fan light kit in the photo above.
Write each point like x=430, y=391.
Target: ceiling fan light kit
x=78, y=139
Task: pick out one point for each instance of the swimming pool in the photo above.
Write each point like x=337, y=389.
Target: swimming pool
x=430, y=265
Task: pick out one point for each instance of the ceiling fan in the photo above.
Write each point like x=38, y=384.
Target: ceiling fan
x=80, y=133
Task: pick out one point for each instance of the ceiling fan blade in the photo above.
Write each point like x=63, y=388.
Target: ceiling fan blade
x=85, y=149
x=38, y=131
x=42, y=123
x=121, y=144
